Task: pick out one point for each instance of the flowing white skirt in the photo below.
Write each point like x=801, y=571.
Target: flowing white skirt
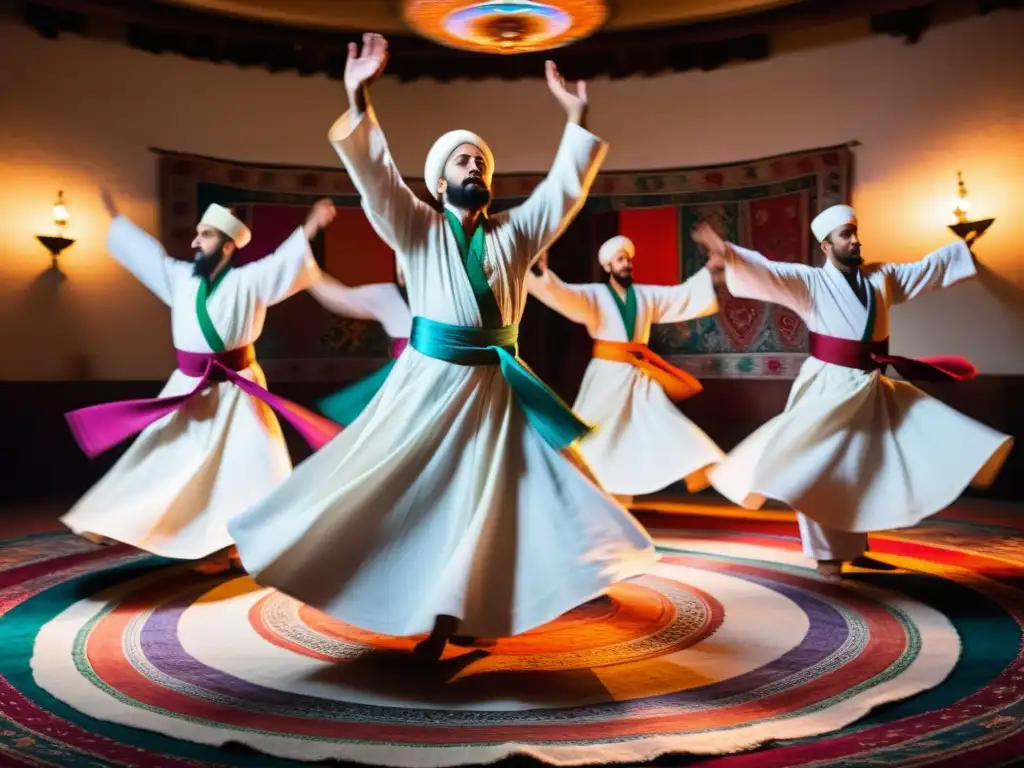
x=643, y=443
x=860, y=452
x=439, y=500
x=174, y=490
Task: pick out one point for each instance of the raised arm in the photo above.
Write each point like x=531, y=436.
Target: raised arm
x=689, y=300
x=141, y=253
x=291, y=268
x=943, y=268
x=359, y=303
x=749, y=275
x=575, y=302
x=558, y=198
x=395, y=212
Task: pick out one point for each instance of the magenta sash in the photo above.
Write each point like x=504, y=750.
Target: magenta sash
x=874, y=356
x=398, y=347
x=98, y=428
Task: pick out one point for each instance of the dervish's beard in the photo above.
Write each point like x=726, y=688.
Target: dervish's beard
x=470, y=195
x=204, y=265
x=850, y=258
x=625, y=279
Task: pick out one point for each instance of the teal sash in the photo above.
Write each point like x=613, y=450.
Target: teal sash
x=345, y=405
x=545, y=412
x=206, y=289
x=627, y=309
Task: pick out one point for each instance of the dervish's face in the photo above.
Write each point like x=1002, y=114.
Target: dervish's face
x=843, y=246
x=463, y=183
x=212, y=242
x=212, y=247
x=621, y=267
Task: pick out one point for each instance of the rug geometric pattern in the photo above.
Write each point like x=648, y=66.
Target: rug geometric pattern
x=113, y=658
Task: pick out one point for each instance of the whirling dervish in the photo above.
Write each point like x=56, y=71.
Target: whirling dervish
x=210, y=445
x=456, y=501
x=854, y=451
x=643, y=442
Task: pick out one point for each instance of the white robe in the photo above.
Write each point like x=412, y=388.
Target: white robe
x=439, y=499
x=856, y=451
x=642, y=442
x=382, y=302
x=175, y=488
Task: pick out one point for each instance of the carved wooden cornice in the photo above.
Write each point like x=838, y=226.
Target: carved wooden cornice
x=162, y=28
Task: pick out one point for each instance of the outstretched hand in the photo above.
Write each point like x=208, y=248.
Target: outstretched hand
x=574, y=104
x=364, y=66
x=705, y=236
x=108, y=202
x=321, y=214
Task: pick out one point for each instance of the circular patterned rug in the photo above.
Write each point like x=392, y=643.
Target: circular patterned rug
x=112, y=657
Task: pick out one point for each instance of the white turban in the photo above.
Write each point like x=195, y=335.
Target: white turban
x=613, y=246
x=829, y=220
x=442, y=150
x=221, y=219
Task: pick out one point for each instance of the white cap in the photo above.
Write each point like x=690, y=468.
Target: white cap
x=613, y=246
x=223, y=220
x=442, y=150
x=829, y=220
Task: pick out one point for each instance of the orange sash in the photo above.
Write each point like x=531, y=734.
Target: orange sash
x=677, y=383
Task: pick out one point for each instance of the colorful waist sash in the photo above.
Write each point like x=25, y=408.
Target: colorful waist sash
x=677, y=383
x=545, y=411
x=100, y=427
x=874, y=356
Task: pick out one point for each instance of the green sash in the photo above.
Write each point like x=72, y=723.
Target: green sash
x=553, y=420
x=206, y=289
x=473, y=252
x=627, y=309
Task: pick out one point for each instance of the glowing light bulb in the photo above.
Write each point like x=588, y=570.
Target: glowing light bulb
x=60, y=212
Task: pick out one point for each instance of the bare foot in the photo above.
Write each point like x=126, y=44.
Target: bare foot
x=831, y=570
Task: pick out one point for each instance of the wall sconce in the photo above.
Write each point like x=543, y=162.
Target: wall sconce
x=968, y=231
x=55, y=245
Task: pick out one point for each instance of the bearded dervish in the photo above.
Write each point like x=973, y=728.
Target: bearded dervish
x=456, y=502
x=643, y=443
x=210, y=443
x=855, y=451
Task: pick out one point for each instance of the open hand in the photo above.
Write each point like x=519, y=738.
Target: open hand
x=706, y=237
x=365, y=66
x=320, y=215
x=574, y=104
